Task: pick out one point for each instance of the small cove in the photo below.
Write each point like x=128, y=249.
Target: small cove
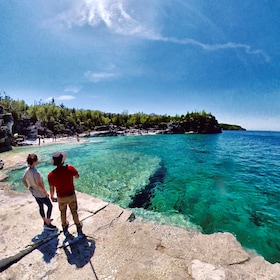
x=220, y=182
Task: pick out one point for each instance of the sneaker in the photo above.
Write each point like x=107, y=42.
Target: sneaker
x=65, y=227
x=49, y=226
x=79, y=229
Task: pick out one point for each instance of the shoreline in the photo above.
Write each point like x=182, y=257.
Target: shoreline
x=199, y=256
x=14, y=158
x=117, y=245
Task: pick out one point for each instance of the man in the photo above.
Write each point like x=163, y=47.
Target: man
x=61, y=180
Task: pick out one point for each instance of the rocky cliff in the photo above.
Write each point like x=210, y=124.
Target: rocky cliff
x=6, y=134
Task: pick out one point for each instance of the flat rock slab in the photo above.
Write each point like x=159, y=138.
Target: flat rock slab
x=117, y=247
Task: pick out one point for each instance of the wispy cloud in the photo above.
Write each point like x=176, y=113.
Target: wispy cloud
x=96, y=77
x=120, y=18
x=65, y=97
x=111, y=13
x=72, y=89
x=216, y=47
x=60, y=98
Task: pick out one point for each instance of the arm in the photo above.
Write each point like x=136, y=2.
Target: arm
x=40, y=183
x=52, y=192
x=73, y=171
x=24, y=179
x=52, y=189
x=42, y=187
x=25, y=182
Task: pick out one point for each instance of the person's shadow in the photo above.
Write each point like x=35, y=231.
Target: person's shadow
x=79, y=250
x=49, y=241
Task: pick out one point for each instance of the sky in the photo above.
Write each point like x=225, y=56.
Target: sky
x=165, y=57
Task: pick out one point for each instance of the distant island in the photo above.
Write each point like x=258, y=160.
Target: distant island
x=225, y=126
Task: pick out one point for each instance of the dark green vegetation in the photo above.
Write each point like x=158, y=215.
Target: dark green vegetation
x=225, y=126
x=50, y=119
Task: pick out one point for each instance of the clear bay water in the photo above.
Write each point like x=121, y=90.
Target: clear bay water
x=213, y=183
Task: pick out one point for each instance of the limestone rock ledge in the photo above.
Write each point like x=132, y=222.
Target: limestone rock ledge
x=118, y=247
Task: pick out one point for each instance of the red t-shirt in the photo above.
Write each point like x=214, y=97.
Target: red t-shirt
x=62, y=179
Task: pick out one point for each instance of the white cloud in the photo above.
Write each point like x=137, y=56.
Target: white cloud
x=119, y=17
x=112, y=13
x=73, y=89
x=98, y=77
x=60, y=98
x=65, y=97
x=49, y=99
x=215, y=47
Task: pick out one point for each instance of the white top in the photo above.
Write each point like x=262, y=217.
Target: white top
x=33, y=178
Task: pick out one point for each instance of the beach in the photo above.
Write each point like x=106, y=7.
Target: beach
x=12, y=160
x=116, y=245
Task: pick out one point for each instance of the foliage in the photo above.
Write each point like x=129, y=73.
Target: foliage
x=225, y=126
x=16, y=108
x=59, y=119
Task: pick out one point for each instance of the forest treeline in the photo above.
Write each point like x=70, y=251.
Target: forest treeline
x=226, y=126
x=58, y=119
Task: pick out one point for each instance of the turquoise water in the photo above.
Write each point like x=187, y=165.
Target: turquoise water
x=221, y=182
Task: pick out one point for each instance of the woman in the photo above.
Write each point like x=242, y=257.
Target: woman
x=33, y=181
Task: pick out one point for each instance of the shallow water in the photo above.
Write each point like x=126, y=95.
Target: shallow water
x=221, y=182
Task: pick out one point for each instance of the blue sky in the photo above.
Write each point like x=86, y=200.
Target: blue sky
x=152, y=56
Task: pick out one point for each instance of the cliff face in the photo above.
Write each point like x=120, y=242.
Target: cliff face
x=6, y=134
x=204, y=125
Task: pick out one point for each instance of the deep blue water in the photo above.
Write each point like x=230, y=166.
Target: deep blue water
x=221, y=182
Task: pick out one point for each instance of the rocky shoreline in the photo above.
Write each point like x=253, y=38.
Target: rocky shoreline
x=117, y=245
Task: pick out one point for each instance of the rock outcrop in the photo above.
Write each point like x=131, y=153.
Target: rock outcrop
x=6, y=134
x=116, y=246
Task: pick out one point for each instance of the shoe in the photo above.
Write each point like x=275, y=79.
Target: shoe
x=79, y=229
x=65, y=227
x=49, y=226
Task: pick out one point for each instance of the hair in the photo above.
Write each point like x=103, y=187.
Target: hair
x=31, y=158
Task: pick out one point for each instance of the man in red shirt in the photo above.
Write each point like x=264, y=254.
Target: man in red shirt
x=61, y=180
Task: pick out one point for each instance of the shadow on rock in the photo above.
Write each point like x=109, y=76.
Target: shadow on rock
x=48, y=248
x=79, y=250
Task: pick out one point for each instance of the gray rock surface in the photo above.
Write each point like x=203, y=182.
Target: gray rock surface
x=116, y=248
